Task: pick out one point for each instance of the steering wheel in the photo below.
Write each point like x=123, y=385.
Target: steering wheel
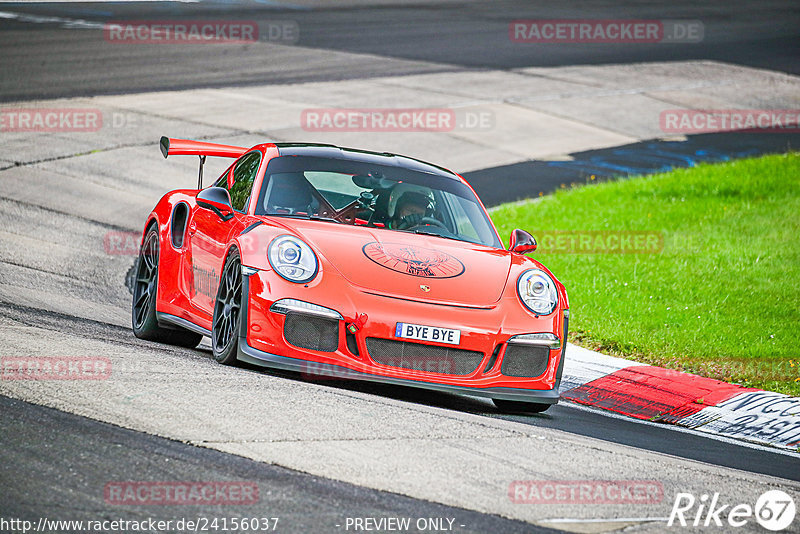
x=430, y=221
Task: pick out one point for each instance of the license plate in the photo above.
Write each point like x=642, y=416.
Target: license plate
x=428, y=333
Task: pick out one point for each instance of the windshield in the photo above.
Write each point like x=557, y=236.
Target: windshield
x=367, y=194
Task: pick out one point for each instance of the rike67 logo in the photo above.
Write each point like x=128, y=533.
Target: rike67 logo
x=774, y=510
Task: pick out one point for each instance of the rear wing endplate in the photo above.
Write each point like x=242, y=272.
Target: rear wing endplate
x=185, y=147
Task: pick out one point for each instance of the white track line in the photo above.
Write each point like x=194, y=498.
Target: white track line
x=64, y=22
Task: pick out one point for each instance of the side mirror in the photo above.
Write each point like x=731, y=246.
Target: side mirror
x=521, y=242
x=217, y=200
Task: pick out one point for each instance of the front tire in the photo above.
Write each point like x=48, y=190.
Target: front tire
x=227, y=311
x=510, y=406
x=143, y=308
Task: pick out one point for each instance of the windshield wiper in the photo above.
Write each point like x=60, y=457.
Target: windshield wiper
x=320, y=218
x=308, y=217
x=423, y=232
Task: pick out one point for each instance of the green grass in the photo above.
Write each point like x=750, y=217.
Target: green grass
x=721, y=299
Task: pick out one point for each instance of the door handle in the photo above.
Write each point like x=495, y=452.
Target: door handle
x=192, y=228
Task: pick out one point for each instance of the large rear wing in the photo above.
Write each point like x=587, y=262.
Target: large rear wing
x=185, y=147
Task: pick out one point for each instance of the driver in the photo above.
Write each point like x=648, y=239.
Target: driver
x=411, y=207
x=408, y=205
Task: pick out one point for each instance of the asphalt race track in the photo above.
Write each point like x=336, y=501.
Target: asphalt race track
x=61, y=58
x=319, y=451
x=644, y=157
x=104, y=452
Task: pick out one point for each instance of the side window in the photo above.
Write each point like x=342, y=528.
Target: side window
x=463, y=221
x=243, y=175
x=222, y=181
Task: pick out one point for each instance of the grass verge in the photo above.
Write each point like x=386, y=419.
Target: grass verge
x=713, y=287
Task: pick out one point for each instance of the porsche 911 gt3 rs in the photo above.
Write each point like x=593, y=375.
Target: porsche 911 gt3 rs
x=339, y=262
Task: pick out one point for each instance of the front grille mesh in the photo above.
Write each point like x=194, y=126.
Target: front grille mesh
x=421, y=357
x=528, y=361
x=310, y=332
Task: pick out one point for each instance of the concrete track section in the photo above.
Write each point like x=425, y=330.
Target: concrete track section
x=498, y=117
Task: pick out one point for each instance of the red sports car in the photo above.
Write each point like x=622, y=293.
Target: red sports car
x=347, y=263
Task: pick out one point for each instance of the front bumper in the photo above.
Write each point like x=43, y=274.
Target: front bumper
x=262, y=341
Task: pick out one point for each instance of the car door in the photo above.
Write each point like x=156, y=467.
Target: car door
x=209, y=234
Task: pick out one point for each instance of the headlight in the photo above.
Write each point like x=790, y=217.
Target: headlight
x=292, y=259
x=537, y=291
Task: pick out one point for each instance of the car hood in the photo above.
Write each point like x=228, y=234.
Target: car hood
x=410, y=266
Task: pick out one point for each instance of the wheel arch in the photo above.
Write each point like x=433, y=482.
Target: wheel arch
x=152, y=219
x=229, y=352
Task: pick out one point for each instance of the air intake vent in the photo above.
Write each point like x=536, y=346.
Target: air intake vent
x=311, y=332
x=425, y=358
x=528, y=361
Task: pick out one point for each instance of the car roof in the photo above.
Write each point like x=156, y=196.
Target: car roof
x=365, y=156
